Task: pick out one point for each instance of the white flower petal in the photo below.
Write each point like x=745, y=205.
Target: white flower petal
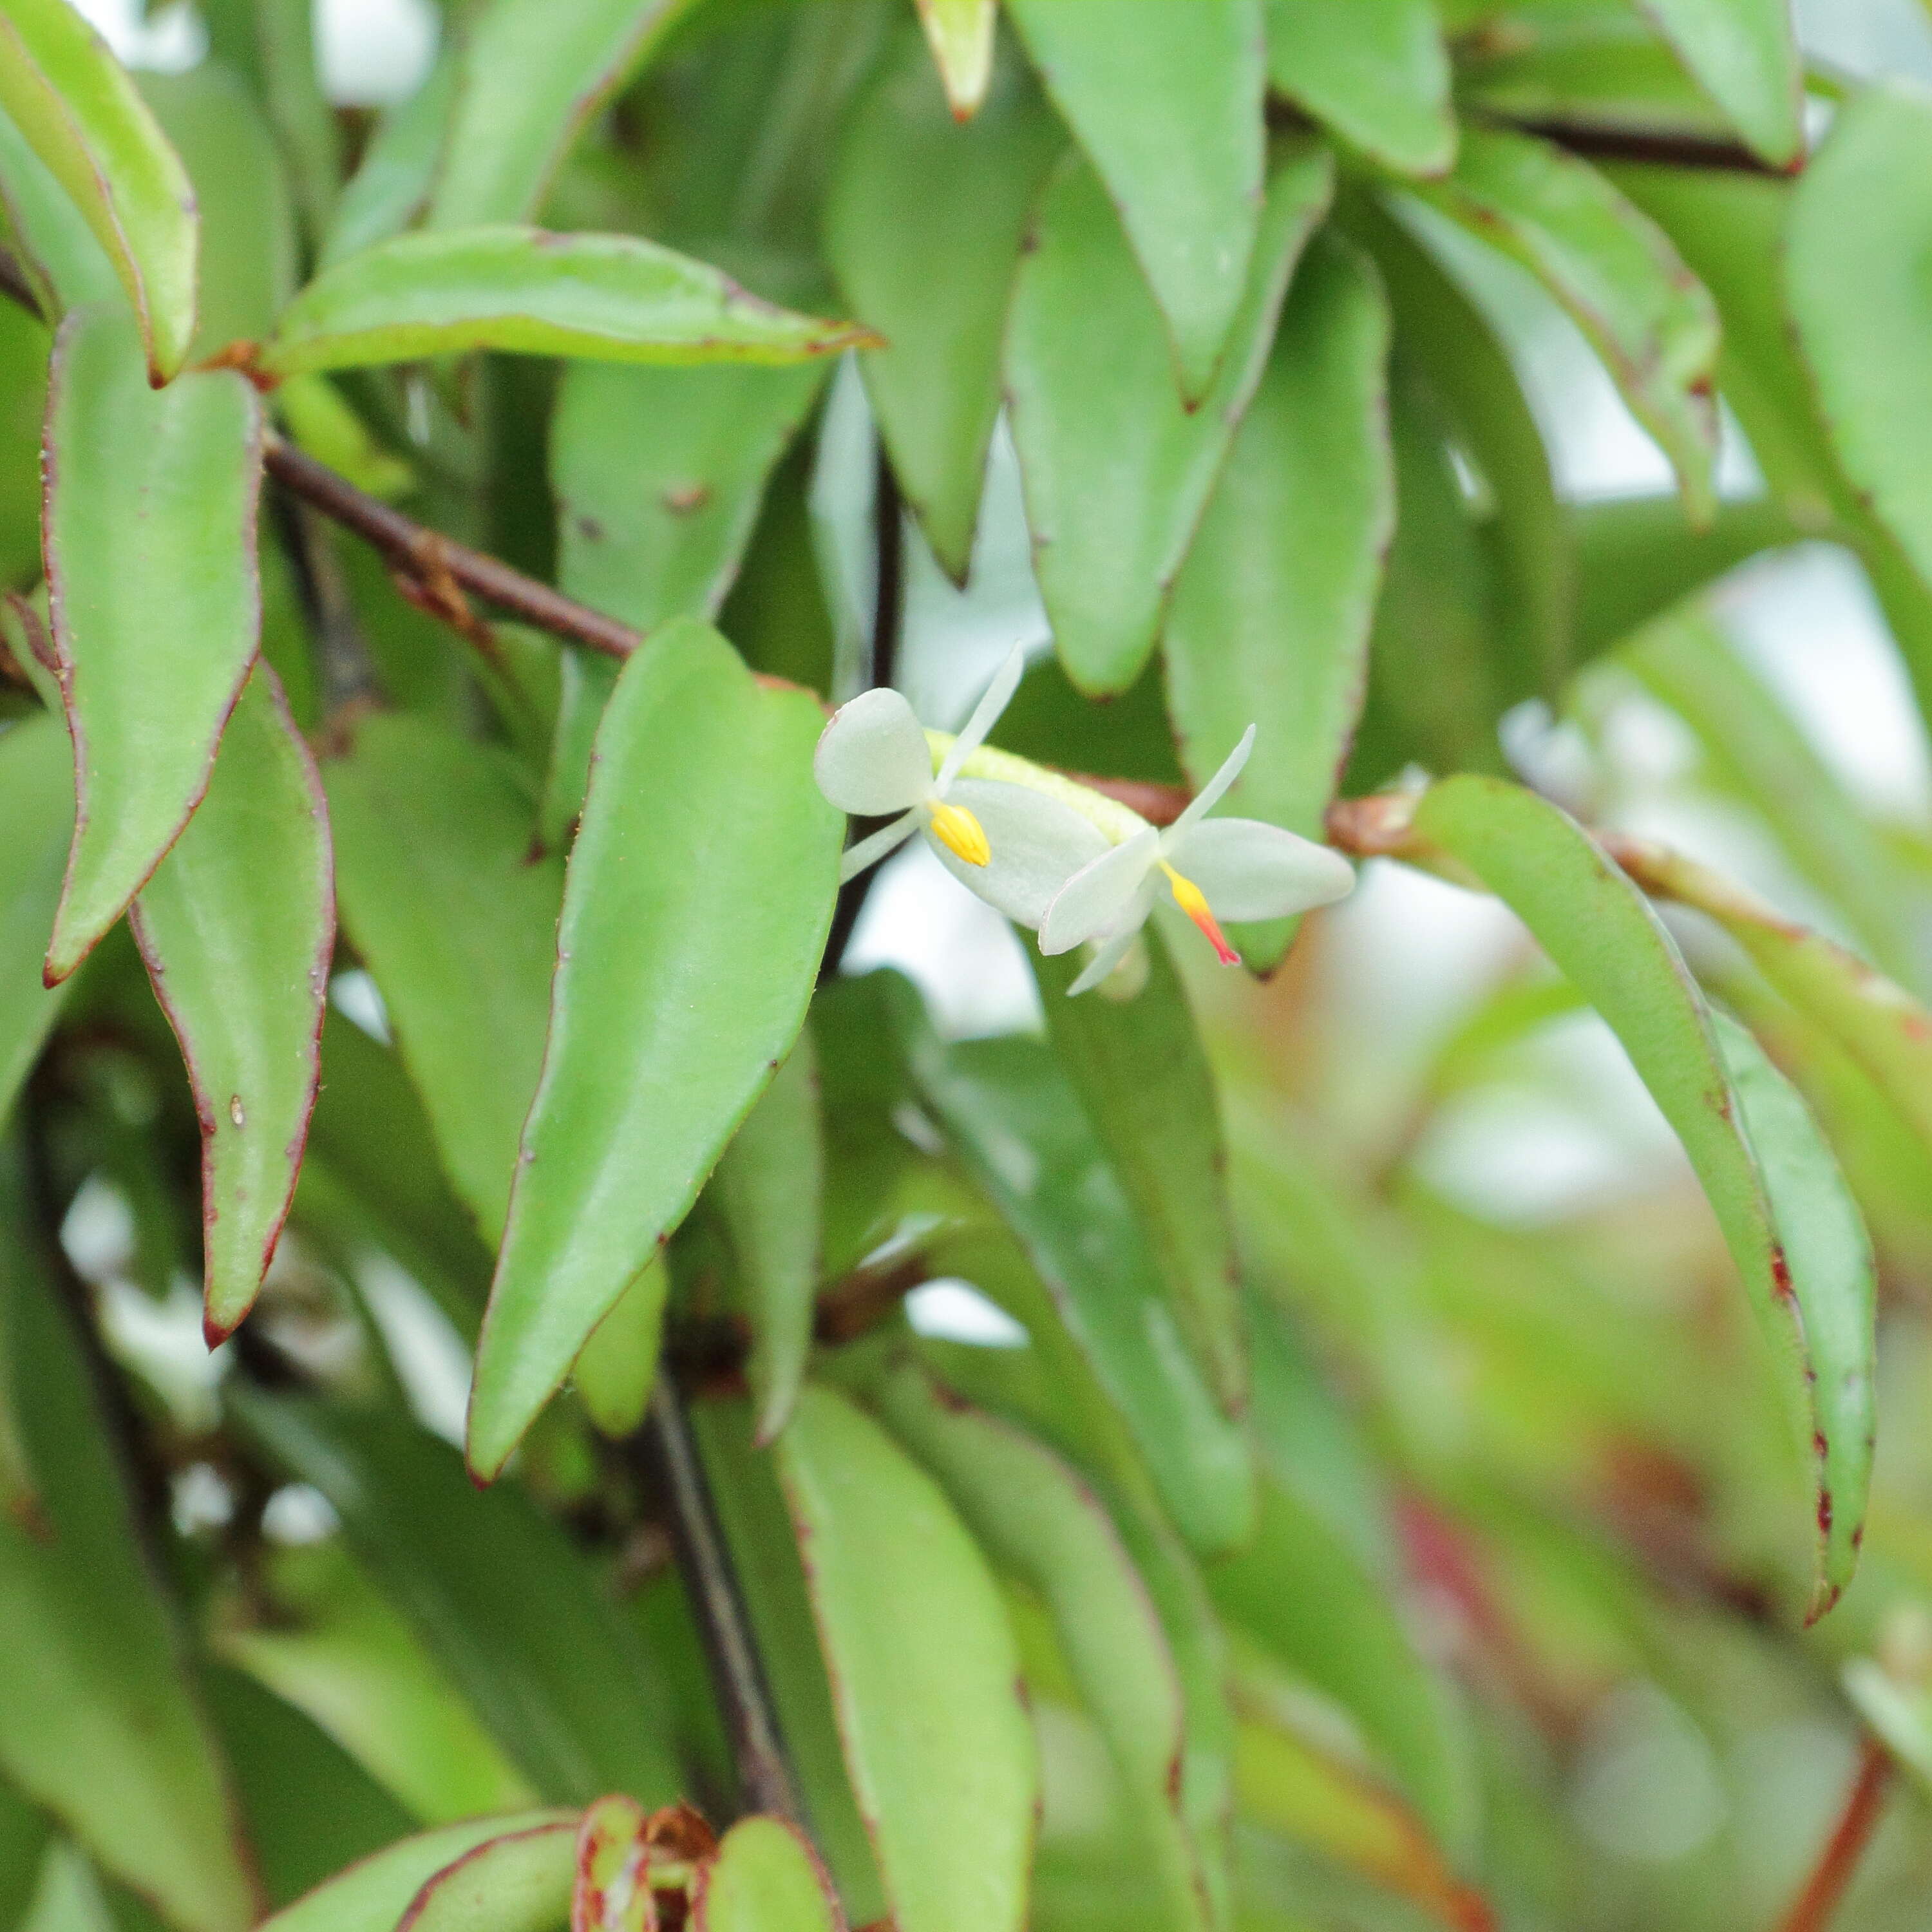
x=997, y=696
x=1038, y=844
x=1103, y=962
x=874, y=846
x=1098, y=895
x=1215, y=790
x=872, y=757
x=1248, y=870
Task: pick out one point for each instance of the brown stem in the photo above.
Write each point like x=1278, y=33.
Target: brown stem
x=1709, y=154
x=669, y=1453
x=428, y=557
x=1811, y=1910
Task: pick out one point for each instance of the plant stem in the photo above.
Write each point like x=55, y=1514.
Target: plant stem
x=427, y=556
x=1811, y=1910
x=669, y=1452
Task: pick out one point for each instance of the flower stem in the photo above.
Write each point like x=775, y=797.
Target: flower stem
x=1812, y=1909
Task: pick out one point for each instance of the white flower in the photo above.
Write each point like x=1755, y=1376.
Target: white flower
x=1231, y=869
x=1014, y=846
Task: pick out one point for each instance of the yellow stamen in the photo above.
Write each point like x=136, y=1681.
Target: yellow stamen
x=960, y=833
x=1193, y=901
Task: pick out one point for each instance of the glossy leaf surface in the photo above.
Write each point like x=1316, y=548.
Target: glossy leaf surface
x=531, y=75
x=1375, y=71
x=1597, y=929
x=150, y=527
x=379, y=1890
x=700, y=890
x=37, y=807
x=1166, y=101
x=616, y=1367
x=1118, y=470
x=658, y=474
x=1652, y=322
x=938, y=291
x=924, y=1673
x=237, y=926
x=99, y=1725
x=602, y=298
x=770, y=1191
x=495, y=1592
x=83, y=115
x=457, y=920
x=1068, y=1207
x=766, y=1878
x=1038, y=1522
x=1271, y=616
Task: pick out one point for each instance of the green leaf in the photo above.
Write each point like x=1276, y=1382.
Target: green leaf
x=36, y=808
x=1037, y=1520
x=657, y=475
x=521, y=1621
x=327, y=1645
x=84, y=118
x=1167, y=102
x=1652, y=322
x=520, y=1882
x=63, y=263
x=391, y=184
x=1292, y=1778
x=1118, y=470
x=765, y=1556
x=770, y=1191
x=1637, y=556
x=1745, y=56
x=156, y=606
x=766, y=1877
x=1874, y=1020
x=533, y=75
x=1020, y=1130
x=100, y=1725
x=1271, y=615
x=237, y=926
x=938, y=289
x=370, y=1175
x=618, y=1364
x=1833, y=1292
x=308, y=1808
x=457, y=921
x=603, y=298
x=1139, y=1069
x=925, y=1674
x=960, y=33
x=699, y=891
x=1302, y=1592
x=1451, y=345
x=1596, y=927
x=1900, y=1713
x=1374, y=70
x=1861, y=314
x=377, y=1891
x=1756, y=750
x=1731, y=228
x=248, y=236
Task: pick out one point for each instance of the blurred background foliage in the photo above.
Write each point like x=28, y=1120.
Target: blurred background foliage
x=1532, y=484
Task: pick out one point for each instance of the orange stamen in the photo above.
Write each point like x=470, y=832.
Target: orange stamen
x=1193, y=901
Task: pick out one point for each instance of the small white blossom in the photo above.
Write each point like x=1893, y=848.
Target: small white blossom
x=1013, y=846
x=1215, y=869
